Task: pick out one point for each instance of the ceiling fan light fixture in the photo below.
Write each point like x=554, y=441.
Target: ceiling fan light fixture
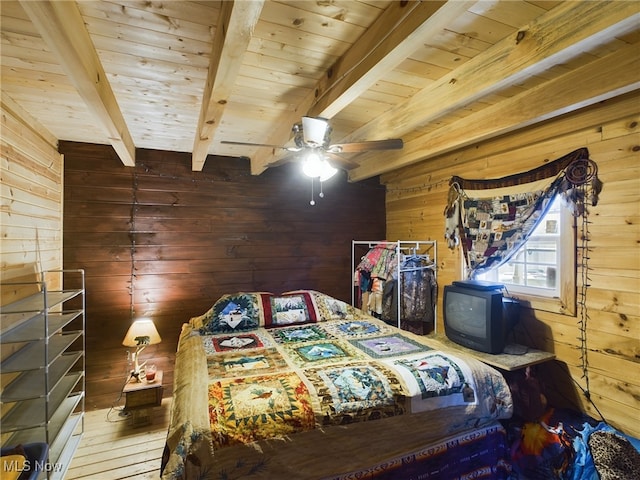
x=312, y=164
x=315, y=165
x=328, y=171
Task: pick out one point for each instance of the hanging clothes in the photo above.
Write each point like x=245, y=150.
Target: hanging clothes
x=390, y=302
x=375, y=267
x=419, y=295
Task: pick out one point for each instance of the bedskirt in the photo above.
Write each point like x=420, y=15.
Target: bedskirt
x=399, y=452
x=478, y=453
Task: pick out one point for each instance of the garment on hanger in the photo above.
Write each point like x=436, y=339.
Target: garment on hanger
x=390, y=302
x=376, y=258
x=375, y=267
x=419, y=291
x=419, y=296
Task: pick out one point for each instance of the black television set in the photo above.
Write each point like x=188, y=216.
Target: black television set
x=478, y=316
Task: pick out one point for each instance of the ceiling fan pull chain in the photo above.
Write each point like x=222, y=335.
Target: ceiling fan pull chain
x=312, y=202
x=321, y=194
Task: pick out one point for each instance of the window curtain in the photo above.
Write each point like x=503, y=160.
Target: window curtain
x=491, y=219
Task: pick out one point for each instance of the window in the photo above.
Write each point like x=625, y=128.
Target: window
x=543, y=270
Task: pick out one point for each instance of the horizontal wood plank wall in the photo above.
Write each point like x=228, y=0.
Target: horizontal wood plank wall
x=185, y=238
x=31, y=211
x=611, y=131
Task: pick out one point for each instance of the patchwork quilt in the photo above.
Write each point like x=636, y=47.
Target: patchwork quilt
x=269, y=386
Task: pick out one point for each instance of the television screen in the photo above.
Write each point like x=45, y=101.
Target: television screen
x=466, y=313
x=473, y=316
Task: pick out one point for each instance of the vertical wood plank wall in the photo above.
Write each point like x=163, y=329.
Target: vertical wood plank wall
x=177, y=240
x=611, y=131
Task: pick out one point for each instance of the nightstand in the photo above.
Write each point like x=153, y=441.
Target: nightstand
x=140, y=397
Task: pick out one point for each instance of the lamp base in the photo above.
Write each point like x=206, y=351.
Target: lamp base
x=137, y=367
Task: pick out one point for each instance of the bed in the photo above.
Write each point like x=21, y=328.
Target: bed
x=304, y=386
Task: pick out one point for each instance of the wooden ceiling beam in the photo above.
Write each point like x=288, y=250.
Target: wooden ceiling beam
x=233, y=34
x=392, y=39
x=564, y=32
x=61, y=26
x=602, y=79
x=401, y=29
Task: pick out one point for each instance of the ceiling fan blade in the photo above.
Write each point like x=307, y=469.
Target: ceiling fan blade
x=341, y=162
x=248, y=144
x=356, y=147
x=286, y=159
x=334, y=159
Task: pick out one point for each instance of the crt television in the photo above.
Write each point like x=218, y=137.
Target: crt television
x=478, y=316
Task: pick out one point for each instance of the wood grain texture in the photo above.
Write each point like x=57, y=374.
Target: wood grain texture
x=62, y=27
x=416, y=200
x=378, y=70
x=112, y=448
x=31, y=195
x=175, y=240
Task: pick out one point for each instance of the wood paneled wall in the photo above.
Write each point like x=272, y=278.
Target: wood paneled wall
x=174, y=241
x=31, y=211
x=611, y=131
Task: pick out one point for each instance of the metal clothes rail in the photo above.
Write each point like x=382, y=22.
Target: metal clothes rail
x=426, y=249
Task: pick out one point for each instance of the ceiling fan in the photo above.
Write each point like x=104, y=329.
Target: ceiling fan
x=312, y=136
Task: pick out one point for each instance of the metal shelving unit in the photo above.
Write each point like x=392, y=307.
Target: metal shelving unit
x=43, y=398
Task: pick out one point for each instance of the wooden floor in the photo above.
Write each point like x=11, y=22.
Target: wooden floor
x=112, y=449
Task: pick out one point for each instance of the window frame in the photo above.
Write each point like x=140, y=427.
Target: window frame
x=565, y=302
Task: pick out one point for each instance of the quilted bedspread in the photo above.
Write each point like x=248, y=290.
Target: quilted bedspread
x=306, y=386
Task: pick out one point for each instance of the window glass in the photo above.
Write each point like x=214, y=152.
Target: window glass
x=537, y=267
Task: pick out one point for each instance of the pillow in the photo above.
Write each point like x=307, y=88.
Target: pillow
x=12, y=466
x=291, y=308
x=245, y=311
x=614, y=456
x=327, y=308
x=14, y=462
x=234, y=313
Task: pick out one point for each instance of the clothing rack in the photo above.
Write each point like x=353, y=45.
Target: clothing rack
x=424, y=249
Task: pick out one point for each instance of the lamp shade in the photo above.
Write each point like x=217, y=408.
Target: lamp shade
x=141, y=332
x=315, y=165
x=312, y=164
x=327, y=172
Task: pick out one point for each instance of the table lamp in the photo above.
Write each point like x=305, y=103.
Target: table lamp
x=141, y=333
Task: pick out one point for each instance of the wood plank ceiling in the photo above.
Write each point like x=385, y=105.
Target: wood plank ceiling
x=185, y=76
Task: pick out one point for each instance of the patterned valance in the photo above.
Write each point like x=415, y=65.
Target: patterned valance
x=491, y=219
